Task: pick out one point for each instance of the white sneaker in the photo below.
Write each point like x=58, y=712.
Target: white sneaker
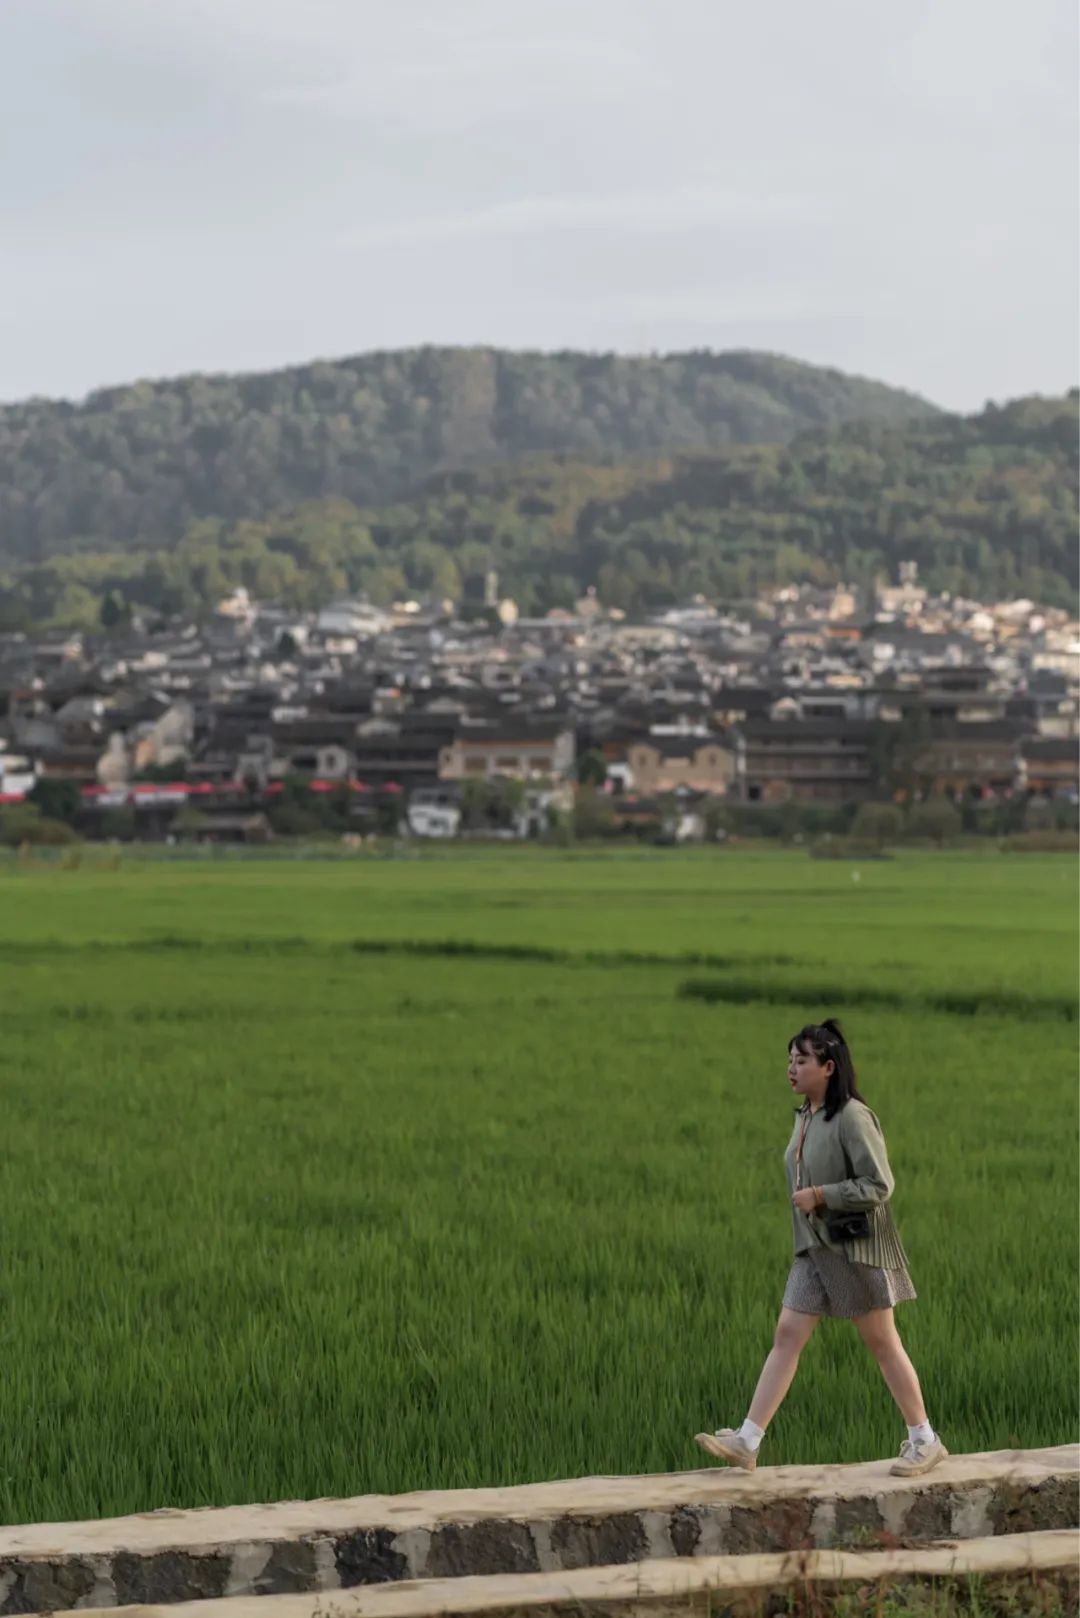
x=918, y=1455
x=729, y=1446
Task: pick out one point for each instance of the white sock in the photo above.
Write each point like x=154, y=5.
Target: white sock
x=752, y=1433
x=923, y=1433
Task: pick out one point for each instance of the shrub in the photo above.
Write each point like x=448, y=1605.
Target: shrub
x=846, y=848
x=935, y=818
x=592, y=814
x=877, y=823
x=294, y=819
x=1040, y=842
x=25, y=823
x=118, y=825
x=189, y=821
x=57, y=799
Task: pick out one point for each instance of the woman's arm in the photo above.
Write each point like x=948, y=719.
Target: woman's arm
x=872, y=1181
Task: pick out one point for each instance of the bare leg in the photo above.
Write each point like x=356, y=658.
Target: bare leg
x=793, y=1330
x=877, y=1328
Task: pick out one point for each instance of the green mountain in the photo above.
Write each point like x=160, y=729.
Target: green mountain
x=986, y=504
x=138, y=465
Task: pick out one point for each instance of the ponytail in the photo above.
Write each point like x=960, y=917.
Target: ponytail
x=826, y=1040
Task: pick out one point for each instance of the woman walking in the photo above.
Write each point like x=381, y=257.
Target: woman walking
x=849, y=1260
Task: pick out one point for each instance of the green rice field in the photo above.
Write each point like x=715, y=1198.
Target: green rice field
x=465, y=1168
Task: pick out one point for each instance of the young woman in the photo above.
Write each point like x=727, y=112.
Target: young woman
x=849, y=1260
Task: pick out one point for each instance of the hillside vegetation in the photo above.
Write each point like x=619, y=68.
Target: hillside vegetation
x=985, y=504
x=137, y=465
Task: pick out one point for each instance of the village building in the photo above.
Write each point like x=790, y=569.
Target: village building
x=807, y=760
x=981, y=760
x=518, y=748
x=700, y=761
x=796, y=696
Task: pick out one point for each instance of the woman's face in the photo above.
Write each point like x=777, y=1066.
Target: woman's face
x=806, y=1075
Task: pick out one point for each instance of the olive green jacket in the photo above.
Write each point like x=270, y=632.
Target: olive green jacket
x=867, y=1185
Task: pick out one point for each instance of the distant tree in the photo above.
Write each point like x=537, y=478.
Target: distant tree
x=118, y=824
x=388, y=814
x=935, y=818
x=189, y=821
x=511, y=796
x=55, y=798
x=593, y=813
x=115, y=611
x=895, y=752
x=1007, y=815
x=789, y=820
x=296, y=788
x=720, y=820
x=877, y=823
x=1038, y=814
x=559, y=828
x=25, y=823
x=473, y=802
x=290, y=818
x=591, y=769
x=490, y=803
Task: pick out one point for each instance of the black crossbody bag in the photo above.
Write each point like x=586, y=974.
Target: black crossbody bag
x=842, y=1227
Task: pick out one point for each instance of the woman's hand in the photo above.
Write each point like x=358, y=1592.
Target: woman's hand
x=808, y=1199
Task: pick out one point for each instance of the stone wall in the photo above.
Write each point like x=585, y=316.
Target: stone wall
x=296, y=1547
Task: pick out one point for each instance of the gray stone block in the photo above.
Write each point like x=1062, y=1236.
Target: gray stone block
x=930, y=1515
x=290, y=1568
x=368, y=1557
x=494, y=1546
x=1018, y=1508
x=47, y=1586
x=858, y=1517
x=597, y=1541
x=169, y=1576
x=685, y=1530
x=775, y=1525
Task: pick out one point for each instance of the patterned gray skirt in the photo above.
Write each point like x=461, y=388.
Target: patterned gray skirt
x=824, y=1282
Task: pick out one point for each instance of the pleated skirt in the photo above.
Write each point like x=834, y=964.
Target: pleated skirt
x=824, y=1282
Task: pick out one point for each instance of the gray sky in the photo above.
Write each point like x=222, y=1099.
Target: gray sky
x=241, y=184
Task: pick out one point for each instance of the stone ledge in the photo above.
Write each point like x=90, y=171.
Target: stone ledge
x=660, y=1588
x=173, y=1556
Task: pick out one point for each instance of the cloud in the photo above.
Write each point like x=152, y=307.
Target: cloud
x=681, y=208
x=237, y=181
x=441, y=84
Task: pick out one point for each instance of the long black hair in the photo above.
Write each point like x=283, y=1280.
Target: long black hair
x=827, y=1041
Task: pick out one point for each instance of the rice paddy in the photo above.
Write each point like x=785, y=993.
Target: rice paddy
x=328, y=1178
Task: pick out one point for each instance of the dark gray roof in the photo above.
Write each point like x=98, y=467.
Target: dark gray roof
x=974, y=730
x=807, y=729
x=1049, y=748
x=321, y=730
x=680, y=746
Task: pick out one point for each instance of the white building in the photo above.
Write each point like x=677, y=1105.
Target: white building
x=433, y=812
x=357, y=619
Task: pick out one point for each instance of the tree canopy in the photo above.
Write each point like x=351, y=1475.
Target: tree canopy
x=138, y=465
x=985, y=504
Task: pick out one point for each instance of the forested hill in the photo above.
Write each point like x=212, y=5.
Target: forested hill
x=985, y=504
x=137, y=465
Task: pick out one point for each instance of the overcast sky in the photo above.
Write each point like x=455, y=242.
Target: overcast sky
x=239, y=184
